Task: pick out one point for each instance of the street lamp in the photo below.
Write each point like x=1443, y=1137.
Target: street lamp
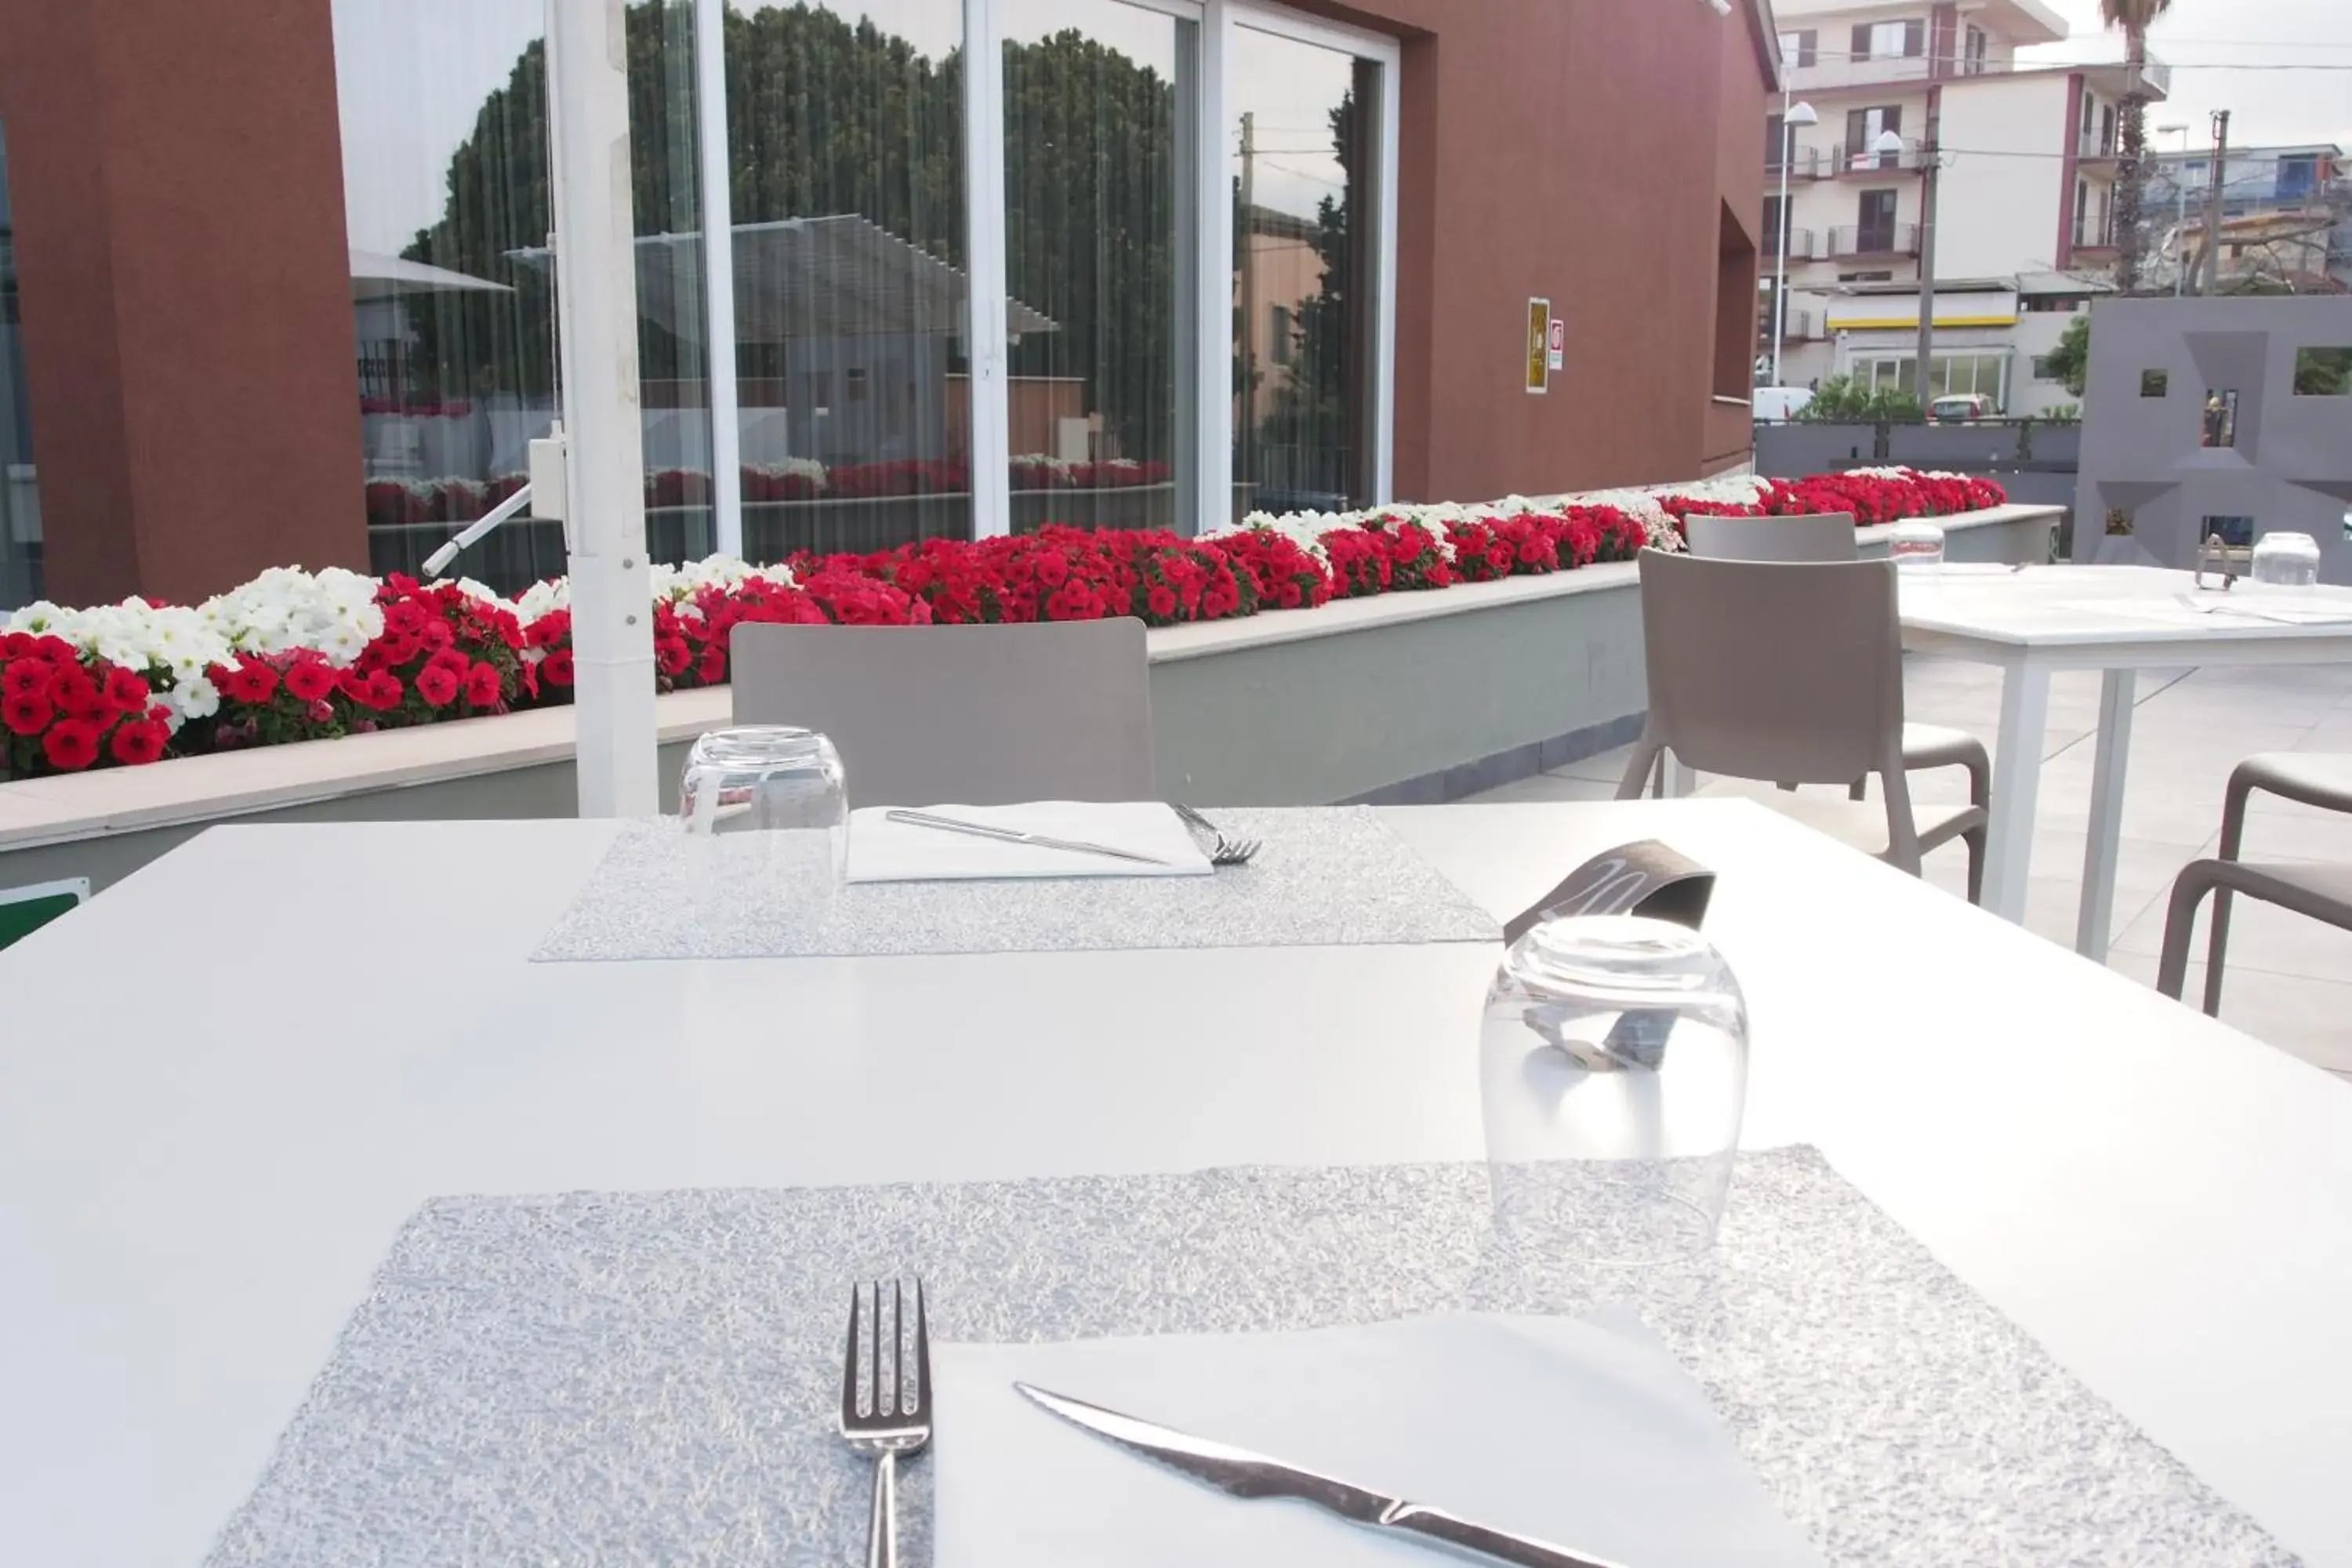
x=2180, y=211
x=1792, y=115
x=1890, y=146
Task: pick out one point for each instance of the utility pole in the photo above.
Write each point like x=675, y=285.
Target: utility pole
x=1248, y=242
x=2213, y=201
x=1930, y=155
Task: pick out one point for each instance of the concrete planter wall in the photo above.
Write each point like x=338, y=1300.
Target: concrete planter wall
x=1406, y=697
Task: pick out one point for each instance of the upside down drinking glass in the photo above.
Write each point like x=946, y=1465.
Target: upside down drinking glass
x=766, y=815
x=1614, y=1072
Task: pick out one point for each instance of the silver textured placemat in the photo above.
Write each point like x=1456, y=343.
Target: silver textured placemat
x=1328, y=876
x=652, y=1377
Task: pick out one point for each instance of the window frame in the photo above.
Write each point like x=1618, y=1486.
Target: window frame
x=1206, y=344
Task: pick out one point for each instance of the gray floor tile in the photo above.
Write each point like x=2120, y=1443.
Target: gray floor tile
x=2311, y=1018
x=1609, y=765
x=1547, y=787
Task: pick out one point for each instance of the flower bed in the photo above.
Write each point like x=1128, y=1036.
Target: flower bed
x=295, y=656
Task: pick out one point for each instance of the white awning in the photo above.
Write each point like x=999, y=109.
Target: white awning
x=376, y=276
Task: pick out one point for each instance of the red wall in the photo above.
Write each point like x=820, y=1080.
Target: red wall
x=1583, y=150
x=176, y=171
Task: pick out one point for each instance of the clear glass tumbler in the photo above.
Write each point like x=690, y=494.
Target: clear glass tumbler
x=2285, y=560
x=1614, y=1072
x=1915, y=541
x=765, y=810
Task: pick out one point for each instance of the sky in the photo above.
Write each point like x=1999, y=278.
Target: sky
x=2202, y=39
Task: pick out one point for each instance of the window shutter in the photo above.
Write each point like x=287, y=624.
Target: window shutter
x=1915, y=40
x=1862, y=41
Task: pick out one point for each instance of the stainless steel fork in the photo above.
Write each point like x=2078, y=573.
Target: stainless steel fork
x=896, y=1417
x=1225, y=851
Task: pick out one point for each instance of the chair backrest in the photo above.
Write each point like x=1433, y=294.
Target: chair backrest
x=1792, y=674
x=1814, y=536
x=976, y=715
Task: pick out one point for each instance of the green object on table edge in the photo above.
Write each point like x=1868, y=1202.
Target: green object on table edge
x=24, y=910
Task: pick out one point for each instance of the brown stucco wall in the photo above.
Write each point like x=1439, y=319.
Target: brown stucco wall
x=176, y=171
x=1584, y=151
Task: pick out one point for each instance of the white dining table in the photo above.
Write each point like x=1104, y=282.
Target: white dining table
x=2118, y=620
x=226, y=1082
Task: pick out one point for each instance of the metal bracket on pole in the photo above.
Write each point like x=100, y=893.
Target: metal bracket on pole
x=602, y=496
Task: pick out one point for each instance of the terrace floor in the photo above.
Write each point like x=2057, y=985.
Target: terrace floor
x=2289, y=979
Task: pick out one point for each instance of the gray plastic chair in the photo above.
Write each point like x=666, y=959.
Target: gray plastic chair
x=1829, y=536
x=1789, y=673
x=976, y=715
x=2321, y=892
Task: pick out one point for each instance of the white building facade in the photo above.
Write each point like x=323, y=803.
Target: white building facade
x=2026, y=169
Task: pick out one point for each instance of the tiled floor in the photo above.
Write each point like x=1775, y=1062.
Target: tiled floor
x=2289, y=980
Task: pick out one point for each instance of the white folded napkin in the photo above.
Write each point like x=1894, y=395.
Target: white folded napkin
x=881, y=850
x=1585, y=1433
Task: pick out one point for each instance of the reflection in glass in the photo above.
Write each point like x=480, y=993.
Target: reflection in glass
x=20, y=498
x=1096, y=96
x=446, y=203
x=1302, y=283
x=845, y=135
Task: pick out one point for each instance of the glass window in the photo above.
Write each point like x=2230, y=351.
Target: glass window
x=20, y=495
x=1098, y=112
x=1304, y=131
x=2322, y=372
x=846, y=137
x=1799, y=49
x=446, y=206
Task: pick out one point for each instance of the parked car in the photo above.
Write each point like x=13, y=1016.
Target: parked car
x=1964, y=408
x=1779, y=404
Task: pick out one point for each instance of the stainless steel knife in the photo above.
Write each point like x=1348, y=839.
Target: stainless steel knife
x=1238, y=1472
x=1015, y=835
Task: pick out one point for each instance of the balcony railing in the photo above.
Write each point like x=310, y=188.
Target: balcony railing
x=1804, y=245
x=1875, y=239
x=2093, y=145
x=1834, y=162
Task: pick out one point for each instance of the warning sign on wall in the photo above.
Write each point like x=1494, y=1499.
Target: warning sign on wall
x=1539, y=345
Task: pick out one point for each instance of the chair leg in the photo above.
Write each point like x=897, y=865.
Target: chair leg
x=1645, y=770
x=2234, y=833
x=1857, y=789
x=1975, y=839
x=2180, y=920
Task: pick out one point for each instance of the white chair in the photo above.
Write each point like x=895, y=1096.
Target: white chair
x=976, y=715
x=1826, y=537
x=1789, y=673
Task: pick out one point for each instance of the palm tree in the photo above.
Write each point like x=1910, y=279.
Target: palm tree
x=2134, y=17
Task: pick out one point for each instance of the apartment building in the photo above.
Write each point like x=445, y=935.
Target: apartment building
x=2026, y=174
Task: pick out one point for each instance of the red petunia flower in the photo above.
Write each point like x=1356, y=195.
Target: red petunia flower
x=138, y=741
x=310, y=681
x=126, y=691
x=436, y=685
x=250, y=681
x=25, y=675
x=27, y=712
x=75, y=694
x=556, y=668
x=71, y=744
x=483, y=687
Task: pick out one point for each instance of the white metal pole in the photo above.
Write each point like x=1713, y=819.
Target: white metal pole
x=596, y=283
x=1781, y=288
x=719, y=271
x=983, y=184
x=1212, y=338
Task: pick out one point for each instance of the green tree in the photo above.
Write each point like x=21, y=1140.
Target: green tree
x=1841, y=400
x=826, y=117
x=2071, y=360
x=1306, y=406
